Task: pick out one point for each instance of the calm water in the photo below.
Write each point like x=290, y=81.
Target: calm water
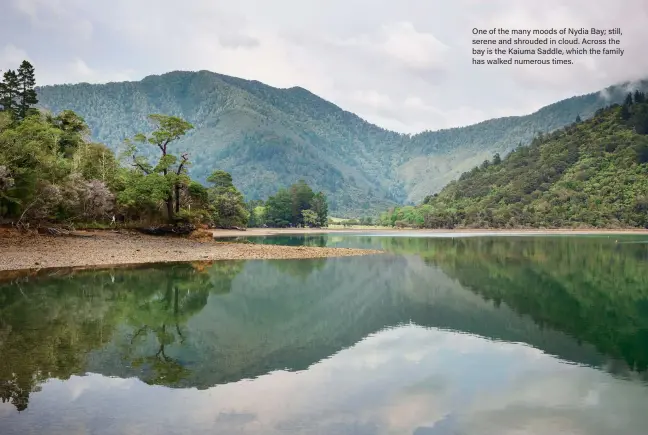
x=509, y=335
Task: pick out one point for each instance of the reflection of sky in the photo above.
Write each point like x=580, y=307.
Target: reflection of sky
x=406, y=380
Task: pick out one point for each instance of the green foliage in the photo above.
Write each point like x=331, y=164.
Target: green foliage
x=227, y=202
x=198, y=195
x=96, y=162
x=286, y=208
x=256, y=211
x=142, y=194
x=268, y=137
x=10, y=93
x=220, y=180
x=174, y=169
x=50, y=171
x=17, y=91
x=592, y=174
x=310, y=218
x=194, y=216
x=301, y=196
x=74, y=131
x=27, y=97
x=569, y=284
x=41, y=176
x=48, y=328
x=319, y=205
x=279, y=209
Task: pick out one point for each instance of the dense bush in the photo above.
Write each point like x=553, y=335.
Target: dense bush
x=589, y=174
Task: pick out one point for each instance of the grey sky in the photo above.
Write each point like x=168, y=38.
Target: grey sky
x=402, y=64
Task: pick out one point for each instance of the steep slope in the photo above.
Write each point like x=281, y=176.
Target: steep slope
x=268, y=137
x=436, y=158
x=592, y=174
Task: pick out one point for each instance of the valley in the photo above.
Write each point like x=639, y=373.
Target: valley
x=268, y=137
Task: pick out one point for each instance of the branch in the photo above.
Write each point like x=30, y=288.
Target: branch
x=185, y=158
x=139, y=165
x=144, y=328
x=163, y=147
x=182, y=339
x=27, y=208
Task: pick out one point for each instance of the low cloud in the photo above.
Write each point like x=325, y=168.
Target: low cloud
x=399, y=50
x=11, y=57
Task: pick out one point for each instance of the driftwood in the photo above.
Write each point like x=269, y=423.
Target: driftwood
x=168, y=230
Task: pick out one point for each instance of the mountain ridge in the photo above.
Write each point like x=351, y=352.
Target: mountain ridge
x=269, y=137
x=588, y=174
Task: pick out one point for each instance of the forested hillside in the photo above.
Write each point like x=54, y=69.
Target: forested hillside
x=51, y=173
x=589, y=174
x=268, y=137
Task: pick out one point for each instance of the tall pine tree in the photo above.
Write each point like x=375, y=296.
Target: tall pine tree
x=9, y=92
x=26, y=95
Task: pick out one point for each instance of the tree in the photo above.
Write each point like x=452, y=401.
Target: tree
x=96, y=161
x=279, y=209
x=169, y=129
x=256, y=211
x=221, y=181
x=578, y=119
x=310, y=218
x=301, y=197
x=639, y=97
x=26, y=95
x=74, y=131
x=228, y=205
x=628, y=100
x=9, y=92
x=625, y=112
x=28, y=150
x=319, y=205
x=497, y=159
x=141, y=193
x=198, y=195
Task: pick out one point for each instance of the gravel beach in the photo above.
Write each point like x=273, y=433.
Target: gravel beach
x=105, y=248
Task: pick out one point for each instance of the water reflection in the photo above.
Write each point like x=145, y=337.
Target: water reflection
x=405, y=380
x=426, y=340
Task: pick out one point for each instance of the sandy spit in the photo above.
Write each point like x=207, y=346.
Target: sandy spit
x=107, y=248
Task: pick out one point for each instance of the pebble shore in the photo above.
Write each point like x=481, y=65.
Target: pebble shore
x=103, y=248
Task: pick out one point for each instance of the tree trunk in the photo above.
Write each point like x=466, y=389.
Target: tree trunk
x=169, y=206
x=177, y=198
x=169, y=200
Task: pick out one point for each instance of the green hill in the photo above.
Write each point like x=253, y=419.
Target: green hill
x=269, y=137
x=588, y=174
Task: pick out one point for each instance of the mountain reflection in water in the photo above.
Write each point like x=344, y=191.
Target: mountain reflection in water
x=440, y=336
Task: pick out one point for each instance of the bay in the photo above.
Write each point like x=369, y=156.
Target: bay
x=440, y=335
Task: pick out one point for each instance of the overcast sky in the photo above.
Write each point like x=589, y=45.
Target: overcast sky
x=402, y=64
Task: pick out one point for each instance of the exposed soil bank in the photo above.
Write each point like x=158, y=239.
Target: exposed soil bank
x=100, y=248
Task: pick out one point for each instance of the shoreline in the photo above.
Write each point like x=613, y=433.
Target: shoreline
x=254, y=232
x=88, y=249
x=29, y=254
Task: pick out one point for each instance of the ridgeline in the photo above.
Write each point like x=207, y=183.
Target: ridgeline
x=591, y=174
x=268, y=137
